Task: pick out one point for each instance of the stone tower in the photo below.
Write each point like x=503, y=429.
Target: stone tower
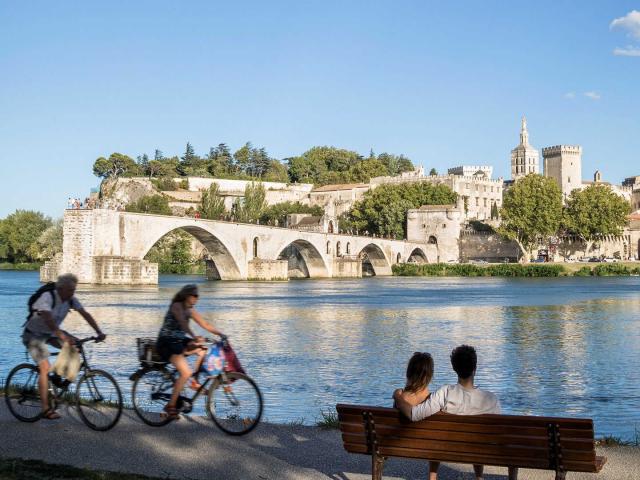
x=563, y=163
x=524, y=158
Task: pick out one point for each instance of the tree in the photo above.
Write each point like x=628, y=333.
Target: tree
x=594, y=212
x=242, y=158
x=306, y=169
x=395, y=164
x=312, y=166
x=18, y=232
x=49, y=243
x=433, y=172
x=383, y=211
x=158, y=155
x=363, y=171
x=495, y=214
x=279, y=211
x=276, y=172
x=254, y=203
x=157, y=204
x=532, y=209
x=172, y=253
x=212, y=205
x=116, y=165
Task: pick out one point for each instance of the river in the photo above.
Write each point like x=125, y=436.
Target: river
x=551, y=346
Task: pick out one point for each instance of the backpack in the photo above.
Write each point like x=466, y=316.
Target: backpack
x=47, y=287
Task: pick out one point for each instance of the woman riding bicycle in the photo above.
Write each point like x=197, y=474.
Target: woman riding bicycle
x=176, y=341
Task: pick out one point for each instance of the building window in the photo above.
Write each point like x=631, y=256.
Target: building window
x=569, y=179
x=485, y=202
x=348, y=248
x=255, y=247
x=328, y=248
x=338, y=249
x=398, y=258
x=477, y=202
x=444, y=225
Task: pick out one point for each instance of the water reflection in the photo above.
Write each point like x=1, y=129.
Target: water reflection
x=565, y=346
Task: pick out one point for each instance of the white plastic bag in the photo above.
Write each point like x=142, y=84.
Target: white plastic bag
x=68, y=362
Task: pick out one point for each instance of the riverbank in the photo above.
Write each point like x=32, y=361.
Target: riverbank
x=20, y=266
x=193, y=448
x=516, y=270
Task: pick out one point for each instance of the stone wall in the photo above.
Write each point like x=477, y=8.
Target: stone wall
x=260, y=269
x=486, y=246
x=347, y=267
x=124, y=271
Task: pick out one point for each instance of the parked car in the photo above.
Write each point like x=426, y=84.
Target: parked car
x=610, y=260
x=570, y=260
x=594, y=260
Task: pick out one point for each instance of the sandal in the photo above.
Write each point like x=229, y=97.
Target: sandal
x=50, y=414
x=172, y=412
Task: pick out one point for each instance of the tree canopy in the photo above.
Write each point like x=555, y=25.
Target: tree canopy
x=594, y=212
x=19, y=233
x=531, y=210
x=278, y=212
x=253, y=203
x=157, y=204
x=383, y=211
x=212, y=205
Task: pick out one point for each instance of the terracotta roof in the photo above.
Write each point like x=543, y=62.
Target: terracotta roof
x=341, y=186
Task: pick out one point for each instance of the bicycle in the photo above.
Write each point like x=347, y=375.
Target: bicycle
x=97, y=395
x=233, y=400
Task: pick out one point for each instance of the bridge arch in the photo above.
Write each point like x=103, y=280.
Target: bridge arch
x=221, y=263
x=304, y=260
x=417, y=256
x=374, y=261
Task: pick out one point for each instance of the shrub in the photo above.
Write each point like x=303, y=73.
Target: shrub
x=470, y=270
x=165, y=184
x=583, y=272
x=607, y=269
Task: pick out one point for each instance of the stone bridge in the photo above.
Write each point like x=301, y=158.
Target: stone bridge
x=108, y=247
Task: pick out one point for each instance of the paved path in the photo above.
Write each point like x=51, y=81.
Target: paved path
x=193, y=448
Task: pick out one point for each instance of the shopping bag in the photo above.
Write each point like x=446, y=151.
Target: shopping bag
x=214, y=360
x=68, y=362
x=232, y=364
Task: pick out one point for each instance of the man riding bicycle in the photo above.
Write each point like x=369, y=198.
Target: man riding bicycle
x=42, y=328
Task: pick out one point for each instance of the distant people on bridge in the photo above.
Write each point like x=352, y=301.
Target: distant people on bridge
x=176, y=341
x=462, y=398
x=48, y=307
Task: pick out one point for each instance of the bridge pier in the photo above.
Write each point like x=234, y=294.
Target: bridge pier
x=347, y=267
x=261, y=269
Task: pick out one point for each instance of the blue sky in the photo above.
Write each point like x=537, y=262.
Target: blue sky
x=444, y=83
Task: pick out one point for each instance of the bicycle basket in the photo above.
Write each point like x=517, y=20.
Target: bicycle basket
x=147, y=353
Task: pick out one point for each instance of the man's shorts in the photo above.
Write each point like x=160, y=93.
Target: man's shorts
x=37, y=346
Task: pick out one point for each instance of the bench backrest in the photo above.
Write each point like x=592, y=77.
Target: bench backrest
x=502, y=440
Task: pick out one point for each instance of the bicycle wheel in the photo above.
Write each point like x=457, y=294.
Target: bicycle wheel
x=150, y=393
x=22, y=394
x=99, y=400
x=234, y=403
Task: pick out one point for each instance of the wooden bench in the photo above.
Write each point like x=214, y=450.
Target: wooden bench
x=558, y=444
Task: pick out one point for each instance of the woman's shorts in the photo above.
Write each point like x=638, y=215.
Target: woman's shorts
x=166, y=347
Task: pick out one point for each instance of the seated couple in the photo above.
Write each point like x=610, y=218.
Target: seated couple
x=417, y=403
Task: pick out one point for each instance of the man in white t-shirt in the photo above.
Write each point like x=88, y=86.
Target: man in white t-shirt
x=462, y=398
x=43, y=328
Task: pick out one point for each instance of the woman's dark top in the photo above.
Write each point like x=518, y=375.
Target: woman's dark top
x=171, y=329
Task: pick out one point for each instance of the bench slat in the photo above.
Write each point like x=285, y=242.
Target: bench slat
x=576, y=423
x=383, y=432
x=494, y=460
x=472, y=448
x=498, y=429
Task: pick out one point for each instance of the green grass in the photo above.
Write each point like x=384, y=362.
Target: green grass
x=18, y=469
x=19, y=266
x=328, y=420
x=472, y=270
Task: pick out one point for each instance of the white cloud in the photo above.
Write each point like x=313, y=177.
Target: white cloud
x=628, y=51
x=630, y=22
x=592, y=95
x=570, y=95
